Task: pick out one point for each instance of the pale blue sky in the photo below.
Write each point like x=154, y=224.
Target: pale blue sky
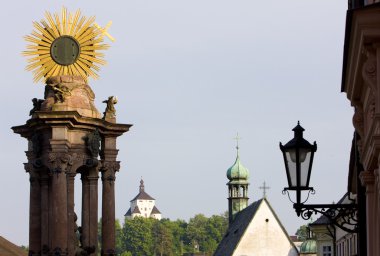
x=189, y=75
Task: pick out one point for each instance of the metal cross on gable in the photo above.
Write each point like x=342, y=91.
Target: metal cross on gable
x=264, y=188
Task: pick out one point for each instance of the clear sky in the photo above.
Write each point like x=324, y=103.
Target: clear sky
x=189, y=75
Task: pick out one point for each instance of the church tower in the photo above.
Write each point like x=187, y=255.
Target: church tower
x=238, y=176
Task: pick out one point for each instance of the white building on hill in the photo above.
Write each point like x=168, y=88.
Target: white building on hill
x=143, y=205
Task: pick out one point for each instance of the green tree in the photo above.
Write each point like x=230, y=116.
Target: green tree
x=302, y=232
x=215, y=230
x=146, y=237
x=163, y=239
x=137, y=236
x=118, y=238
x=126, y=254
x=197, y=233
x=178, y=230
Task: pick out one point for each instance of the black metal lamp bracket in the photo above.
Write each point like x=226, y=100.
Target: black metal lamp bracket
x=343, y=216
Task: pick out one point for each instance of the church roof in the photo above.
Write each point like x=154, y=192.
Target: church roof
x=155, y=211
x=136, y=210
x=9, y=249
x=323, y=220
x=142, y=195
x=238, y=227
x=128, y=212
x=236, y=230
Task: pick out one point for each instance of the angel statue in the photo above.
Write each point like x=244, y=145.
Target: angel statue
x=110, y=111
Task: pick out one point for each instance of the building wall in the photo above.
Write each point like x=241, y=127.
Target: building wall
x=362, y=86
x=264, y=236
x=145, y=207
x=324, y=241
x=346, y=243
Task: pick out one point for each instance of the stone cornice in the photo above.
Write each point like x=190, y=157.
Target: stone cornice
x=71, y=119
x=364, y=34
x=362, y=29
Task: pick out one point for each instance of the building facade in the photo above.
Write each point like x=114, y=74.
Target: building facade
x=360, y=82
x=143, y=205
x=324, y=234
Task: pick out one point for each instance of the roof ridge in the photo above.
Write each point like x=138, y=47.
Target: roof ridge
x=11, y=247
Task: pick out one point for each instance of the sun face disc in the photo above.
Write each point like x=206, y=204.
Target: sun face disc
x=66, y=44
x=65, y=50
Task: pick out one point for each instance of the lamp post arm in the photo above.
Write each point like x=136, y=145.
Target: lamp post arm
x=343, y=216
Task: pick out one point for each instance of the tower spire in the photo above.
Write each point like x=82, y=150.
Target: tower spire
x=237, y=175
x=141, y=185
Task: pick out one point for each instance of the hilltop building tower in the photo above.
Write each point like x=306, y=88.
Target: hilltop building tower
x=238, y=176
x=143, y=205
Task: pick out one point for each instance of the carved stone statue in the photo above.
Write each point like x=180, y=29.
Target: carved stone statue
x=36, y=105
x=60, y=91
x=93, y=143
x=110, y=111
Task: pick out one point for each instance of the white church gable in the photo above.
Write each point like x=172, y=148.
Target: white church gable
x=256, y=231
x=265, y=236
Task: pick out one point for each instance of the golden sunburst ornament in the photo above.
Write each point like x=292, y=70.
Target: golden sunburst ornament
x=66, y=45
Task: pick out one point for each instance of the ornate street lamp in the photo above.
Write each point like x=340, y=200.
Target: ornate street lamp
x=298, y=158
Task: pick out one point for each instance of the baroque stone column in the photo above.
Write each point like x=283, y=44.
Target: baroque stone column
x=93, y=203
x=367, y=179
x=71, y=236
x=59, y=167
x=108, y=206
x=44, y=181
x=89, y=202
x=34, y=211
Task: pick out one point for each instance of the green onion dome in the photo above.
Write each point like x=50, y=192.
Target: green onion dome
x=237, y=170
x=308, y=246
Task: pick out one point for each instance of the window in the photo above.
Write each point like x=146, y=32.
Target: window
x=326, y=250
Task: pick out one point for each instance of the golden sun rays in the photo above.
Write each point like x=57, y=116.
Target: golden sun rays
x=66, y=44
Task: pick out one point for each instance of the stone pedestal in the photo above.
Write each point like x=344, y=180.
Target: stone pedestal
x=64, y=136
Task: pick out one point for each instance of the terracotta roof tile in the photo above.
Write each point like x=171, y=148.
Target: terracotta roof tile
x=9, y=249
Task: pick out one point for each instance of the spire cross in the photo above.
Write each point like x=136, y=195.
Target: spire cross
x=237, y=138
x=264, y=188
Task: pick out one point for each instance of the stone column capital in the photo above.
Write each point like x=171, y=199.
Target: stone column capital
x=109, y=166
x=60, y=161
x=367, y=179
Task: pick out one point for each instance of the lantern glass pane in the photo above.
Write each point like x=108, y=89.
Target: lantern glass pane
x=302, y=154
x=292, y=167
x=305, y=170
